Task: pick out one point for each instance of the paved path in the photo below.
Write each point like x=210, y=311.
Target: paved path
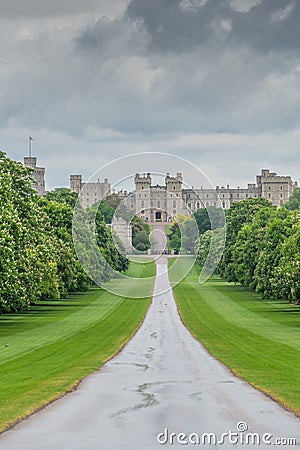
x=158, y=238
x=163, y=379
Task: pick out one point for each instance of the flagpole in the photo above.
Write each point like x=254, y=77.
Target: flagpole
x=29, y=145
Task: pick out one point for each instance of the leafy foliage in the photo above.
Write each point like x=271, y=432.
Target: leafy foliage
x=27, y=254
x=294, y=200
x=209, y=218
x=140, y=234
x=238, y=215
x=262, y=249
x=37, y=256
x=209, y=255
x=183, y=234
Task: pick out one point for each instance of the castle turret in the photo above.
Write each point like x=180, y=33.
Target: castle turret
x=275, y=188
x=76, y=183
x=174, y=195
x=38, y=174
x=142, y=195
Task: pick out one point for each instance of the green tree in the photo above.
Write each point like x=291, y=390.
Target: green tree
x=205, y=217
x=206, y=254
x=248, y=245
x=276, y=233
x=294, y=200
x=286, y=281
x=140, y=234
x=27, y=256
x=58, y=205
x=239, y=214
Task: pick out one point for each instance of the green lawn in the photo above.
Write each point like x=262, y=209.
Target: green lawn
x=45, y=352
x=258, y=340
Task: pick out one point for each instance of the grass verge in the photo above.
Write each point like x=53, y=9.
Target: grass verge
x=257, y=340
x=46, y=351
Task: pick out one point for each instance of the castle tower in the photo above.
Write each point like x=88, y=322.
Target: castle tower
x=76, y=183
x=174, y=196
x=275, y=188
x=142, y=195
x=38, y=174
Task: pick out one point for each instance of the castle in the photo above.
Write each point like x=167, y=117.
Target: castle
x=156, y=203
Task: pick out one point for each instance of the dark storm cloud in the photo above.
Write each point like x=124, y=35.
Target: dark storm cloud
x=210, y=65
x=271, y=25
x=184, y=25
x=179, y=26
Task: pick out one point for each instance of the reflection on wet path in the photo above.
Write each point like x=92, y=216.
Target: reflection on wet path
x=163, y=378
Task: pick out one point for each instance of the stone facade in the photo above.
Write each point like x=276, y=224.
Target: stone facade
x=124, y=232
x=158, y=203
x=38, y=174
x=164, y=203
x=277, y=189
x=90, y=193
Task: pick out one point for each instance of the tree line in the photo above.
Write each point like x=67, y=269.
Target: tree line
x=262, y=249
x=37, y=256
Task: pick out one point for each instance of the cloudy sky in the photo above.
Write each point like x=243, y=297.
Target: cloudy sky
x=214, y=81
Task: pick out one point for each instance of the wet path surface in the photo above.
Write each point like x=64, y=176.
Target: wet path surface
x=162, y=379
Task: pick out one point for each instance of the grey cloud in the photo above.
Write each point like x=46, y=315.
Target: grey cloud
x=174, y=27
x=156, y=70
x=270, y=25
x=43, y=8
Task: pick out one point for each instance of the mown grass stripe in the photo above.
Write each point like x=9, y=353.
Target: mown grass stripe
x=245, y=334
x=37, y=376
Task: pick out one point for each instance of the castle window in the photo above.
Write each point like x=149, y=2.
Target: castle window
x=269, y=195
x=158, y=204
x=269, y=188
x=143, y=204
x=189, y=205
x=174, y=204
x=142, y=187
x=281, y=195
x=198, y=205
x=174, y=212
x=174, y=188
x=223, y=195
x=223, y=204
